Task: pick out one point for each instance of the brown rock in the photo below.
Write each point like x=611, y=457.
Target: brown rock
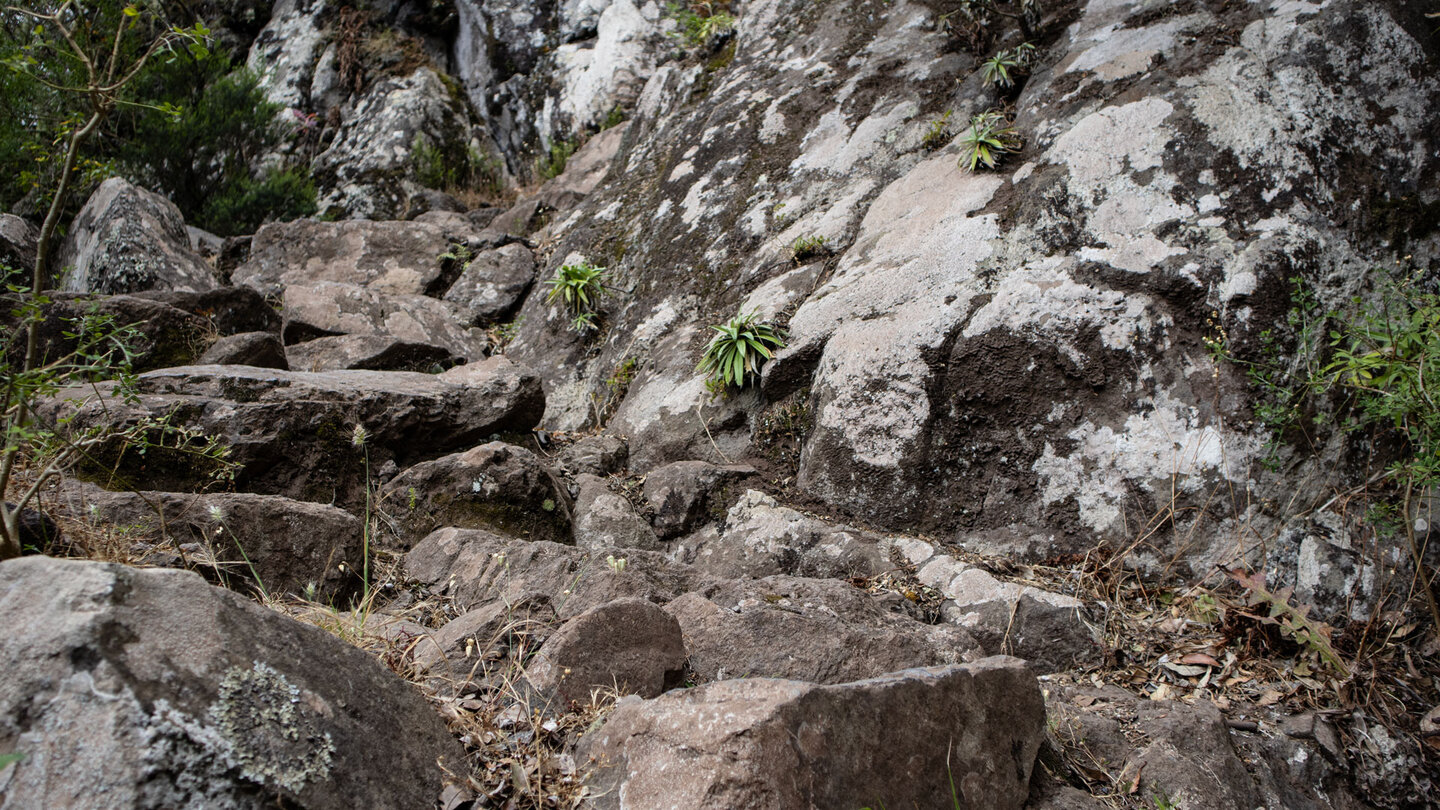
x=685, y=494
x=371, y=352
x=400, y=258
x=909, y=739
x=259, y=349
x=629, y=645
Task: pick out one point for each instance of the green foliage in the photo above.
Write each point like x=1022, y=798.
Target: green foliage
x=7, y=760
x=552, y=163
x=579, y=288
x=738, y=350
x=1001, y=69
x=937, y=134
x=699, y=21
x=808, y=247
x=456, y=172
x=614, y=118
x=989, y=136
x=187, y=124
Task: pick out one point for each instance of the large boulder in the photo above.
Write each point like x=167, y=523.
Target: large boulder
x=294, y=433
x=149, y=689
x=260, y=349
x=969, y=734
x=606, y=519
x=162, y=336
x=760, y=537
x=402, y=258
x=331, y=308
x=369, y=352
x=18, y=241
x=493, y=283
x=229, y=310
x=127, y=239
x=475, y=568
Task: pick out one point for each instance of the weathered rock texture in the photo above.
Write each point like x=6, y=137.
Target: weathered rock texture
x=127, y=239
x=294, y=433
x=151, y=689
x=972, y=729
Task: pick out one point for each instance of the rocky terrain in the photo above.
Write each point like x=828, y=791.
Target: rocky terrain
x=1007, y=521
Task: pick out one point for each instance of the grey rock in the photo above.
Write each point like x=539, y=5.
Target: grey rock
x=292, y=433
x=973, y=728
x=477, y=568
x=1317, y=558
x=628, y=646
x=495, y=627
x=166, y=336
x=373, y=352
x=1053, y=631
x=401, y=258
x=283, y=546
x=492, y=285
x=260, y=349
x=685, y=494
x=18, y=242
x=496, y=486
x=761, y=538
x=816, y=630
x=332, y=308
x=127, y=239
x=594, y=455
x=151, y=689
x=369, y=169
x=605, y=519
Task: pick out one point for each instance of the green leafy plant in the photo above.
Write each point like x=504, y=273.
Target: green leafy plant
x=808, y=247
x=579, y=288
x=699, y=21
x=553, y=162
x=1001, y=69
x=937, y=134
x=739, y=348
x=989, y=136
x=7, y=760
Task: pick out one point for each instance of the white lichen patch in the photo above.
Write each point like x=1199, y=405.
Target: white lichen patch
x=1044, y=300
x=274, y=735
x=1164, y=444
x=1112, y=53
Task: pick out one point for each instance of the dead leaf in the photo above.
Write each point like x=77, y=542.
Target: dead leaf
x=1186, y=670
x=1270, y=697
x=1199, y=658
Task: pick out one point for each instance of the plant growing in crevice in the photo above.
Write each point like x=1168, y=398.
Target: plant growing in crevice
x=1002, y=68
x=738, y=350
x=552, y=163
x=975, y=21
x=578, y=287
x=989, y=137
x=937, y=133
x=700, y=21
x=805, y=248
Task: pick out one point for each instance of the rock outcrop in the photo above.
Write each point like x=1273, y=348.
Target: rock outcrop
x=136, y=688
x=127, y=239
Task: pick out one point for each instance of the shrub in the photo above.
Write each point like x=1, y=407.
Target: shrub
x=552, y=163
x=579, y=287
x=937, y=134
x=989, y=136
x=738, y=350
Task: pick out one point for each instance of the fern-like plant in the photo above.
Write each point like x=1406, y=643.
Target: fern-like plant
x=989, y=136
x=579, y=287
x=738, y=350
